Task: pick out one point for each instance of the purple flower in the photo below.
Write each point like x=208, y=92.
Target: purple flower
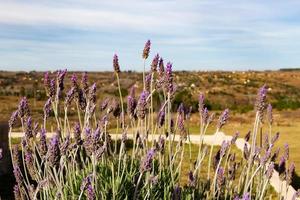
x=154, y=63
x=176, y=194
x=70, y=96
x=43, y=143
x=281, y=166
x=77, y=134
x=115, y=108
x=246, y=196
x=47, y=108
x=92, y=93
x=216, y=159
x=142, y=104
x=286, y=151
x=116, y=64
x=247, y=136
x=104, y=104
x=148, y=82
x=270, y=170
x=13, y=119
x=191, y=179
x=65, y=145
x=18, y=174
x=52, y=88
x=53, y=153
x=146, y=164
x=220, y=177
x=146, y=50
x=161, y=144
x=29, y=160
x=60, y=80
x=131, y=103
x=84, y=82
x=81, y=99
x=161, y=117
x=201, y=104
x=169, y=78
x=223, y=118
x=85, y=182
x=161, y=67
x=28, y=128
x=246, y=152
x=206, y=119
x=232, y=168
x=181, y=109
x=290, y=174
x=100, y=151
x=275, y=138
x=90, y=193
x=74, y=80
x=23, y=109
x=275, y=155
x=224, y=148
x=15, y=155
x=47, y=80
x=234, y=138
x=261, y=101
x=181, y=126
x=17, y=193
x=88, y=140
x=265, y=157
x=1, y=153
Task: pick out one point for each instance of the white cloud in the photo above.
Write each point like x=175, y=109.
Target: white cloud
x=216, y=27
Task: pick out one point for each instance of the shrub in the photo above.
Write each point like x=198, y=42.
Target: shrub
x=88, y=162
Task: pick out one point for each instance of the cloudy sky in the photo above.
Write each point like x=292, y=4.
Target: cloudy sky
x=193, y=34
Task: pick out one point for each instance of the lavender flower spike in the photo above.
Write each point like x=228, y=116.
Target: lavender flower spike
x=270, y=170
x=223, y=118
x=131, y=103
x=246, y=196
x=191, y=178
x=201, y=103
x=53, y=153
x=23, y=109
x=13, y=119
x=116, y=64
x=69, y=97
x=169, y=78
x=261, y=101
x=161, y=68
x=146, y=50
x=220, y=177
x=146, y=164
x=269, y=114
x=161, y=117
x=141, y=106
x=43, y=143
x=47, y=108
x=154, y=63
x=60, y=79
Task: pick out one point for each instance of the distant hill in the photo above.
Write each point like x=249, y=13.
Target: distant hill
x=233, y=90
x=289, y=69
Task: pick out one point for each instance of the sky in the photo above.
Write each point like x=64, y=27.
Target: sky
x=192, y=34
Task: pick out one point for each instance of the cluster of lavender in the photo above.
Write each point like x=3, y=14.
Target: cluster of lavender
x=90, y=159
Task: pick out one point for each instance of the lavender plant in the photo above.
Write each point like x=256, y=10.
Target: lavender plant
x=140, y=158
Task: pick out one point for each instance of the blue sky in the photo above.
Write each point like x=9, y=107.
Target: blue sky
x=193, y=34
